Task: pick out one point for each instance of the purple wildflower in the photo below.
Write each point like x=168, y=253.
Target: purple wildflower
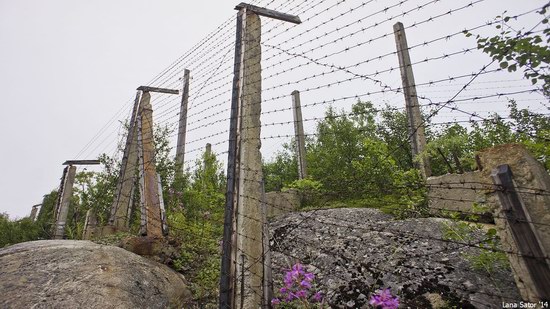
x=301, y=294
x=275, y=301
x=309, y=276
x=305, y=284
x=298, y=268
x=385, y=300
x=298, y=286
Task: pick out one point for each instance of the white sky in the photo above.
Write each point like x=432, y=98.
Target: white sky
x=68, y=67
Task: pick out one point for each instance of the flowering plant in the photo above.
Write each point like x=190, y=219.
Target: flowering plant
x=298, y=290
x=384, y=299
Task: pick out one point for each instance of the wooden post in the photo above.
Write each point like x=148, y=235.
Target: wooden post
x=67, y=193
x=416, y=126
x=180, y=149
x=241, y=283
x=120, y=209
x=520, y=223
x=300, y=136
x=150, y=181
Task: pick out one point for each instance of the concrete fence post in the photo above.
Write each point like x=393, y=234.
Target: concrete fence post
x=34, y=212
x=242, y=273
x=249, y=217
x=65, y=201
x=416, y=126
x=299, y=135
x=150, y=180
x=120, y=209
x=90, y=225
x=182, y=129
x=522, y=215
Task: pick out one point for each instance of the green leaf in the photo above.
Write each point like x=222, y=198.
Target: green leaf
x=534, y=81
x=503, y=65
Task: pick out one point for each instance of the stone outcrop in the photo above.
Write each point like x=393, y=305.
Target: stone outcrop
x=82, y=274
x=354, y=252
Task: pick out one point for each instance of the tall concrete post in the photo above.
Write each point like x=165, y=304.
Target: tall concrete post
x=143, y=210
x=150, y=180
x=67, y=193
x=249, y=270
x=242, y=268
x=299, y=135
x=416, y=127
x=180, y=148
x=120, y=209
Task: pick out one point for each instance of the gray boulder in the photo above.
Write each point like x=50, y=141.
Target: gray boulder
x=82, y=274
x=354, y=252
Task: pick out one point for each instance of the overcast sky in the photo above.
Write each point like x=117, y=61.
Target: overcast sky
x=67, y=67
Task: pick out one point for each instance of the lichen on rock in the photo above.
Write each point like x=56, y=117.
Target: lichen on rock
x=83, y=274
x=355, y=251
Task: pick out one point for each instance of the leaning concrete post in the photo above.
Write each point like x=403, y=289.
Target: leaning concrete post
x=120, y=209
x=150, y=180
x=523, y=216
x=67, y=193
x=299, y=135
x=416, y=126
x=180, y=149
x=59, y=199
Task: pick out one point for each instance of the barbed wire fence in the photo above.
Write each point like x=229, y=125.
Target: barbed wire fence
x=342, y=52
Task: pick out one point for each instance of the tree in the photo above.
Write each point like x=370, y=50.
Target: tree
x=12, y=232
x=196, y=218
x=518, y=49
x=282, y=170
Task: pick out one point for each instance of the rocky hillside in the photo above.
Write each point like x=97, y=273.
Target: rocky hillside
x=354, y=252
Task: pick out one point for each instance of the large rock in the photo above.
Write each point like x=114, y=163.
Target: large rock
x=354, y=251
x=82, y=274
